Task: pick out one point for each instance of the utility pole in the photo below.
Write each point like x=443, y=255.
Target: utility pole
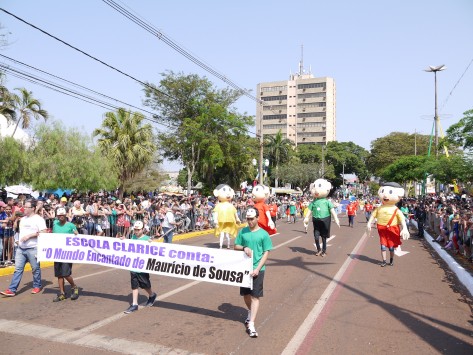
x=436, y=117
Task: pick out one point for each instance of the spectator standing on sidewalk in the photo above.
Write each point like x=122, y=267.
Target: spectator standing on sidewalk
x=254, y=241
x=140, y=279
x=63, y=270
x=30, y=227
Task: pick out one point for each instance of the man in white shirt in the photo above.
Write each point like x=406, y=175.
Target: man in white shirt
x=169, y=224
x=30, y=227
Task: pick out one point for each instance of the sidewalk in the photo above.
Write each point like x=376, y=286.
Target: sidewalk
x=464, y=275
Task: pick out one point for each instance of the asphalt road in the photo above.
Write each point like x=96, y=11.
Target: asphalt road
x=344, y=303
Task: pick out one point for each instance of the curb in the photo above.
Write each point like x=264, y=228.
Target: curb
x=462, y=274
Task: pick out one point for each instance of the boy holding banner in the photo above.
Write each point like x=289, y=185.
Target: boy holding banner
x=140, y=279
x=254, y=241
x=63, y=270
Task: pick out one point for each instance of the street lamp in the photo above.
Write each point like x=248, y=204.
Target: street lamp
x=436, y=118
x=263, y=164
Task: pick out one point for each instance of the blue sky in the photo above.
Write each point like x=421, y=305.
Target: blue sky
x=375, y=50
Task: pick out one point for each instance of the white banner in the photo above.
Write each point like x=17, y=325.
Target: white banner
x=228, y=267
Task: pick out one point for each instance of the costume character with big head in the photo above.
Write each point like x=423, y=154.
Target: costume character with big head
x=260, y=194
x=321, y=210
x=390, y=221
x=225, y=214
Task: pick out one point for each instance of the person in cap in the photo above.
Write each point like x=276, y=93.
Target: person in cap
x=63, y=270
x=140, y=279
x=254, y=242
x=391, y=223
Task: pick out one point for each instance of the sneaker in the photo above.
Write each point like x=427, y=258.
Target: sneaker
x=131, y=309
x=75, y=293
x=383, y=264
x=252, y=331
x=35, y=290
x=151, y=300
x=323, y=254
x=60, y=297
x=8, y=293
x=317, y=253
x=391, y=263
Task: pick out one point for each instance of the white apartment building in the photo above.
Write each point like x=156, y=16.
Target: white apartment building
x=303, y=108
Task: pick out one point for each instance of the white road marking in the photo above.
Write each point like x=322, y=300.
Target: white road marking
x=305, y=327
x=94, y=341
x=84, y=337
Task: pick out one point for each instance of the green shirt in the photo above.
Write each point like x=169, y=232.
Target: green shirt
x=405, y=211
x=68, y=227
x=292, y=209
x=258, y=241
x=320, y=208
x=143, y=237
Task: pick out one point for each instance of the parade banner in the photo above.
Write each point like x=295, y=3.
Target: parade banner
x=227, y=267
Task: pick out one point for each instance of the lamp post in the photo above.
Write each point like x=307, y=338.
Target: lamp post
x=436, y=117
x=261, y=171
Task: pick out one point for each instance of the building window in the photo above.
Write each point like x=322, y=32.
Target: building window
x=273, y=88
x=311, y=114
x=274, y=98
x=311, y=86
x=311, y=95
x=274, y=117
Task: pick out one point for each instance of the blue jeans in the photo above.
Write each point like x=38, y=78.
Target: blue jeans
x=168, y=232
x=23, y=256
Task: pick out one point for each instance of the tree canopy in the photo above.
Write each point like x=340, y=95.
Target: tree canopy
x=461, y=133
x=204, y=131
x=127, y=142
x=65, y=158
x=386, y=150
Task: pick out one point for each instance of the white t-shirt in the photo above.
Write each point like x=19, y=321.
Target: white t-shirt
x=29, y=225
x=168, y=219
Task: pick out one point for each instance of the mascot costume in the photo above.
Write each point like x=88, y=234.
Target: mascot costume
x=321, y=210
x=260, y=194
x=391, y=223
x=225, y=214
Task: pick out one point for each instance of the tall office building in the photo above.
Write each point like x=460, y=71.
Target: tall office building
x=303, y=108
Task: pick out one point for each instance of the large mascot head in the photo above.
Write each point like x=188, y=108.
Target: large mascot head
x=320, y=188
x=390, y=193
x=224, y=193
x=260, y=193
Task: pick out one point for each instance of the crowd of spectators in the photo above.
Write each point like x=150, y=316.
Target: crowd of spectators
x=448, y=217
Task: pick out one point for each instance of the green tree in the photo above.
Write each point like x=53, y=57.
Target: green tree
x=26, y=107
x=409, y=168
x=12, y=161
x=65, y=158
x=461, y=133
x=277, y=150
x=309, y=153
x=205, y=133
x=7, y=107
x=348, y=158
x=386, y=150
x=455, y=167
x=302, y=175
x=127, y=142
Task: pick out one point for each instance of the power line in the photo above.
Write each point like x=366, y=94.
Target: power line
x=87, y=54
x=454, y=87
x=163, y=37
x=106, y=64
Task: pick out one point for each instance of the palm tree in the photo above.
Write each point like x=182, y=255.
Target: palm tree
x=26, y=107
x=127, y=142
x=278, y=150
x=6, y=102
